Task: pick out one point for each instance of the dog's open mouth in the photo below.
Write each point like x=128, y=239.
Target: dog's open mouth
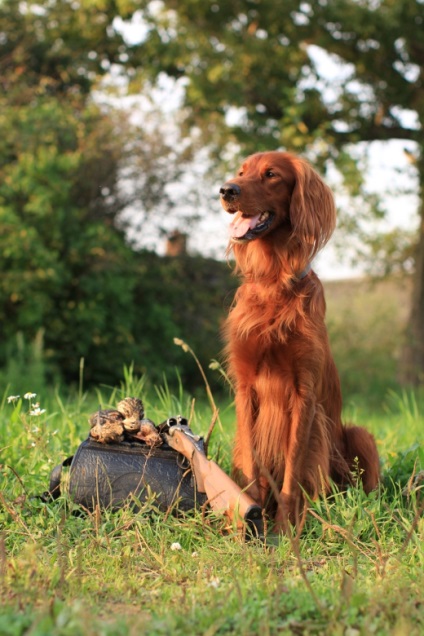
x=246, y=228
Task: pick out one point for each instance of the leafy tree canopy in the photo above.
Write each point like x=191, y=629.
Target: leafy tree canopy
x=67, y=269
x=60, y=46
x=258, y=58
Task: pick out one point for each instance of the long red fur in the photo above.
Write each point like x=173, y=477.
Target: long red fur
x=288, y=397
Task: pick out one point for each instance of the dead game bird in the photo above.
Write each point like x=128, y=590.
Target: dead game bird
x=148, y=433
x=132, y=410
x=107, y=426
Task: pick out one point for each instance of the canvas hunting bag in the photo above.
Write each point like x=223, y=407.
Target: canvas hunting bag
x=114, y=474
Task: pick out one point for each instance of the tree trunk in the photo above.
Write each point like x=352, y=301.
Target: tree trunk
x=412, y=358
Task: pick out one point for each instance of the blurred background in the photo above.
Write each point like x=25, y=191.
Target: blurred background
x=120, y=119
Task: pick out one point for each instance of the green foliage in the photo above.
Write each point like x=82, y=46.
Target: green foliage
x=26, y=360
x=184, y=297
x=257, y=60
x=235, y=56
x=61, y=256
x=62, y=261
x=62, y=46
x=404, y=467
x=113, y=324
x=67, y=270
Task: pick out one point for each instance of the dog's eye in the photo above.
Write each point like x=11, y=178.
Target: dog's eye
x=269, y=174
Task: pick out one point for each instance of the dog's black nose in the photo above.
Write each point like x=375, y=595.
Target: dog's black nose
x=230, y=191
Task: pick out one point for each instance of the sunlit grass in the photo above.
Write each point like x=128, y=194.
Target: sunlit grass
x=358, y=565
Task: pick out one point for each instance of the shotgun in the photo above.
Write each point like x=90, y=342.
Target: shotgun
x=224, y=496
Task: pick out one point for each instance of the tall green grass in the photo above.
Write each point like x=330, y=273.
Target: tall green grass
x=356, y=570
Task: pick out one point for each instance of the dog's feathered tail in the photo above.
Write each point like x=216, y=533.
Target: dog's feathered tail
x=362, y=456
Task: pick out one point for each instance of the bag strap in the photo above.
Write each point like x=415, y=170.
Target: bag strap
x=54, y=491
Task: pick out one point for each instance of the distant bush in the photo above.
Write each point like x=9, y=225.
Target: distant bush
x=126, y=309
x=184, y=297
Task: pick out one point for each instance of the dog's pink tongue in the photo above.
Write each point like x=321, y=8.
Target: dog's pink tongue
x=241, y=225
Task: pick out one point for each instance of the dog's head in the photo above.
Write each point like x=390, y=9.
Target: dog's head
x=278, y=196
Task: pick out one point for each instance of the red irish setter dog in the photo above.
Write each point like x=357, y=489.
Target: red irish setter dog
x=288, y=398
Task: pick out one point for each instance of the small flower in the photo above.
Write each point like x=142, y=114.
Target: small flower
x=29, y=396
x=194, y=554
x=214, y=582
x=176, y=546
x=36, y=429
x=36, y=412
x=13, y=398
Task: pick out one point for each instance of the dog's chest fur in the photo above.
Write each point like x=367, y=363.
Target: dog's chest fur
x=269, y=314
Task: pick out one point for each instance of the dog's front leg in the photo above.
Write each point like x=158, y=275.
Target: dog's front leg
x=245, y=470
x=291, y=505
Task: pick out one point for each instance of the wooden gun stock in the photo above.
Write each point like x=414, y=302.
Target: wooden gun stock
x=222, y=492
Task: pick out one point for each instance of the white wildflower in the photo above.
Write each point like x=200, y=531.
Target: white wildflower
x=214, y=582
x=36, y=429
x=29, y=396
x=13, y=398
x=36, y=412
x=194, y=554
x=176, y=546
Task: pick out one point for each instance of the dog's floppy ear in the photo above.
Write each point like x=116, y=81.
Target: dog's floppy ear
x=312, y=208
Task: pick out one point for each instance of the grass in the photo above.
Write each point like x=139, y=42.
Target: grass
x=366, y=320
x=356, y=570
